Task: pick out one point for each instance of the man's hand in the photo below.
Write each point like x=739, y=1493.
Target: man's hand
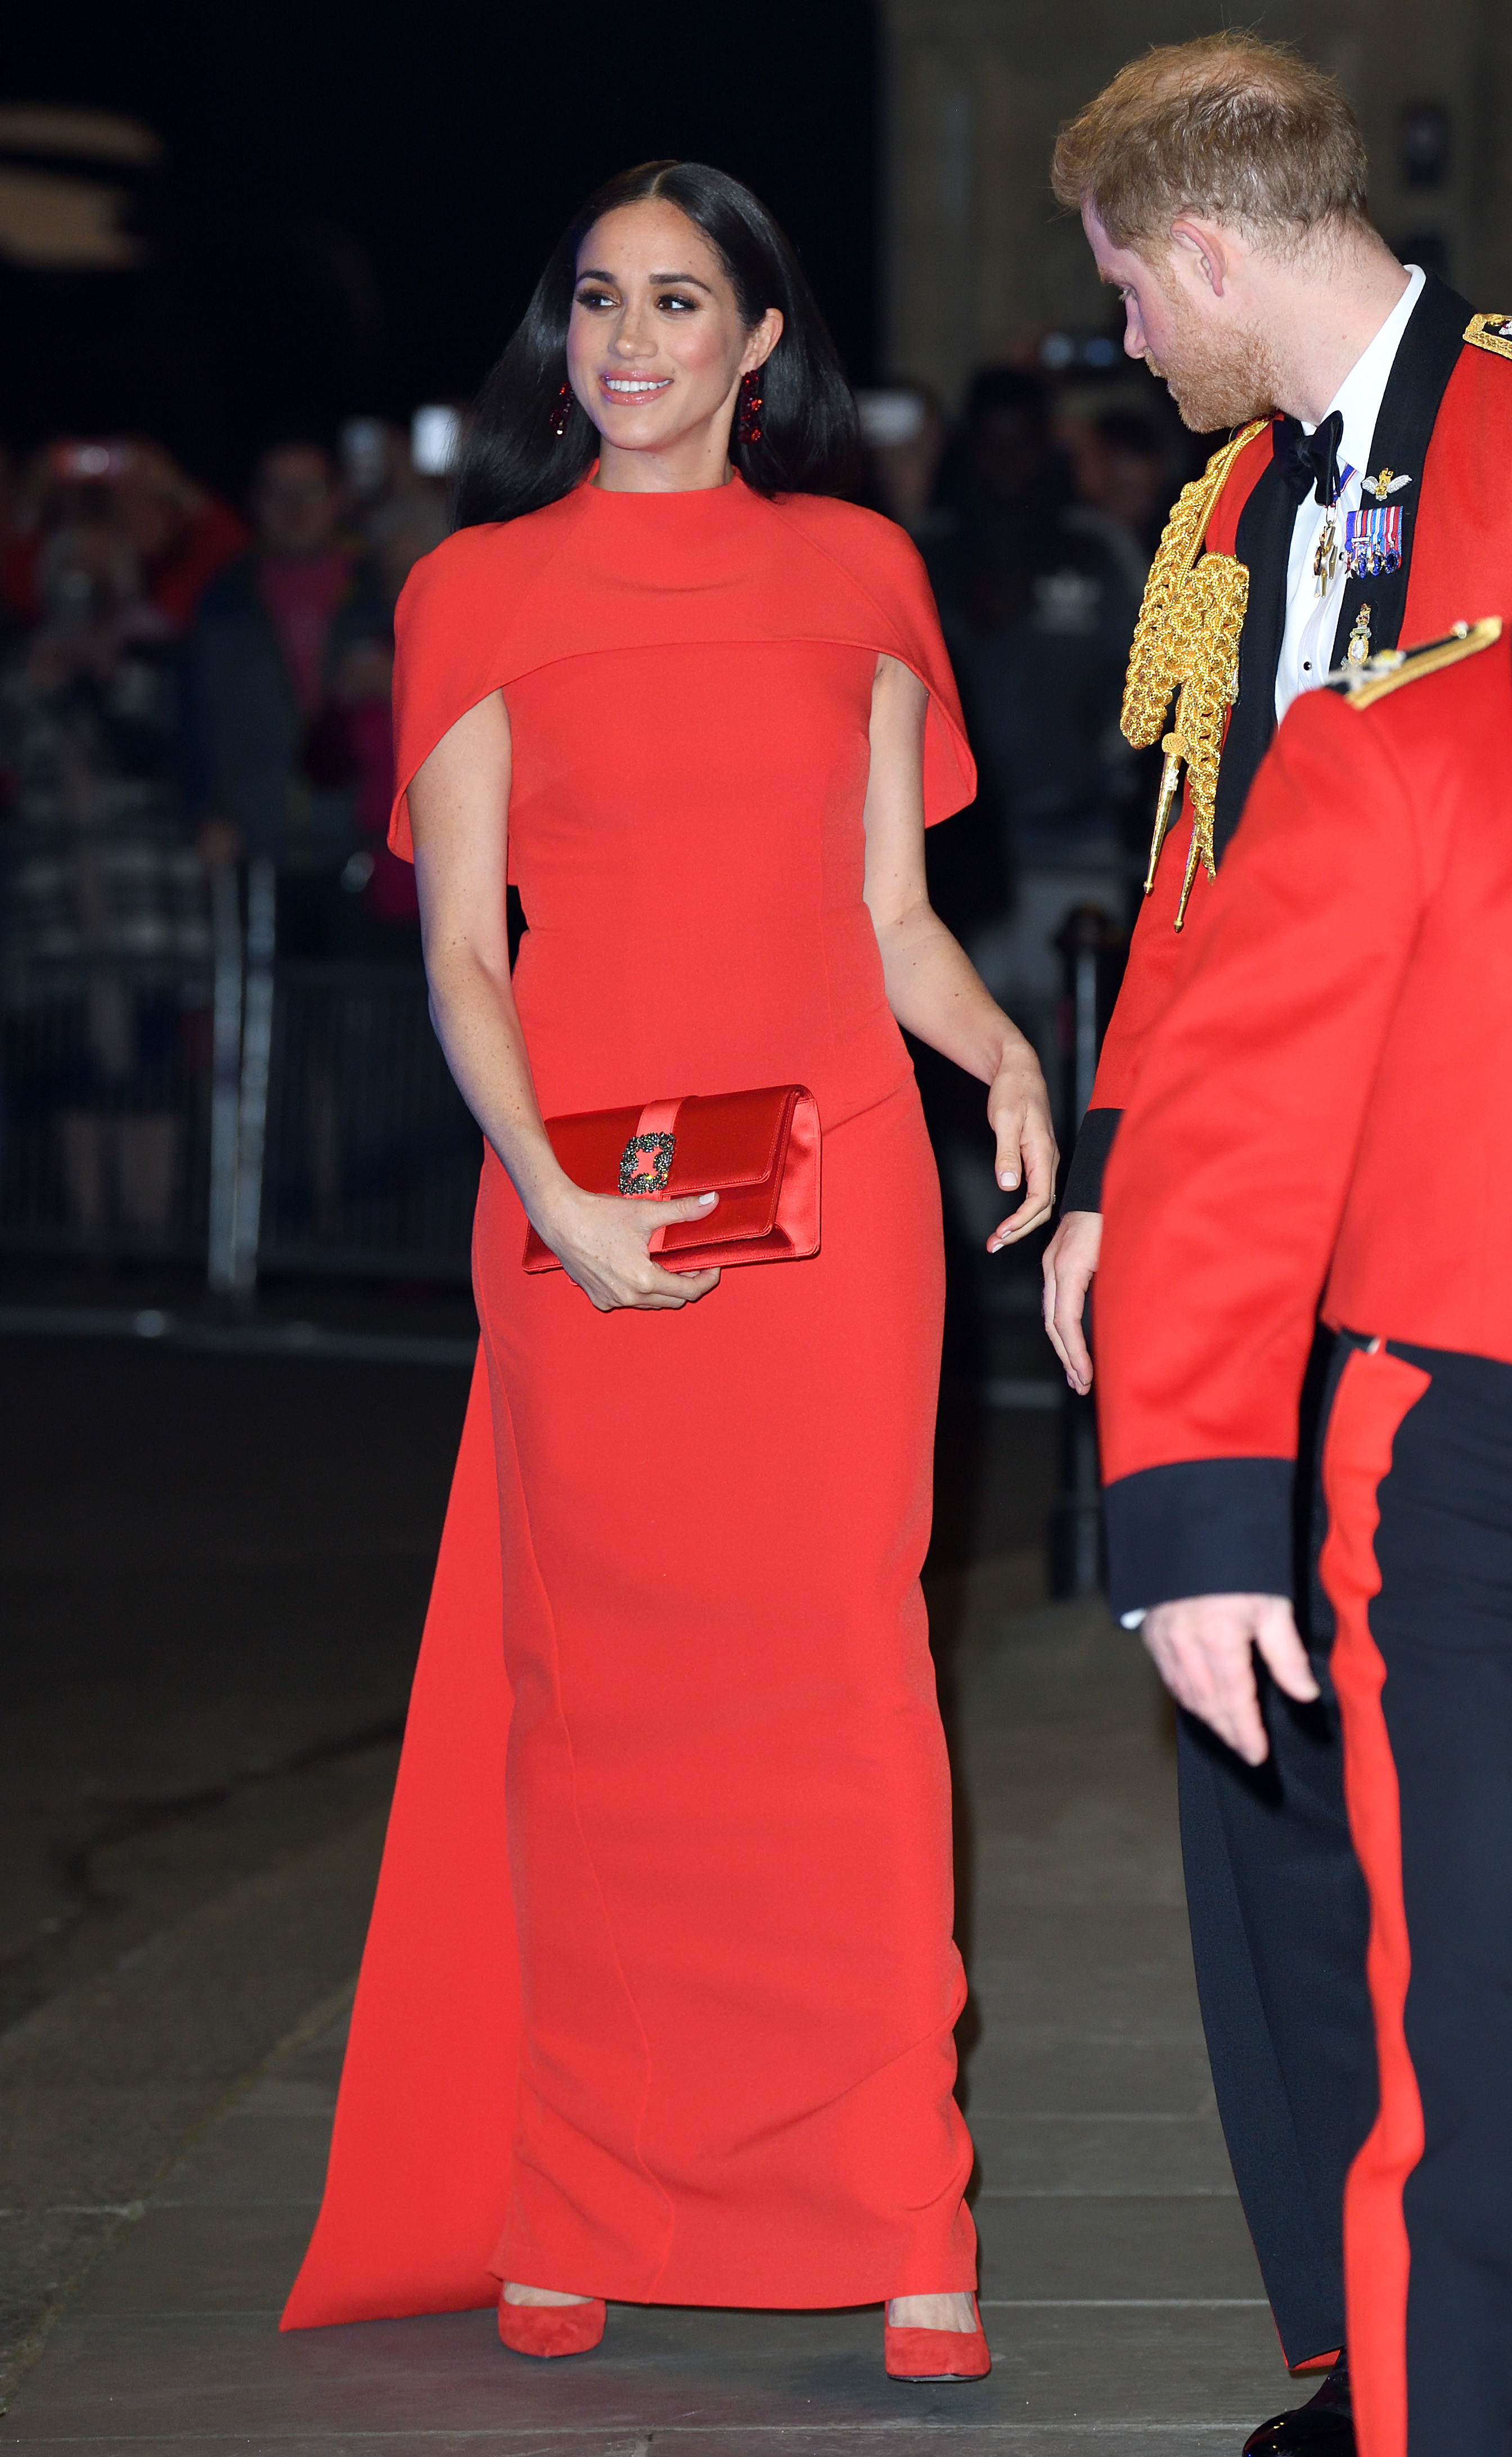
x=1203, y=1649
x=1070, y=1259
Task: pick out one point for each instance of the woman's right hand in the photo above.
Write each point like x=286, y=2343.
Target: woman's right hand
x=461, y=864
x=601, y=1242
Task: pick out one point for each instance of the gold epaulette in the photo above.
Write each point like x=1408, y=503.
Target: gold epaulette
x=1493, y=333
x=1363, y=685
x=1187, y=640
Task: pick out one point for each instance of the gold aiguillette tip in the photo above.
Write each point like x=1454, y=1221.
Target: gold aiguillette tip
x=1170, y=781
x=1192, y=858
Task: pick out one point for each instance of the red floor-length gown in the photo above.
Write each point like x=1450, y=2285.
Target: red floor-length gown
x=658, y=1997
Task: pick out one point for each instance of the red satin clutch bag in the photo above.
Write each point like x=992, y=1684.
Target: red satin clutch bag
x=759, y=1151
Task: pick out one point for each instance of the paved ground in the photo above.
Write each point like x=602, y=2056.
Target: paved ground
x=230, y=1664
x=214, y=1575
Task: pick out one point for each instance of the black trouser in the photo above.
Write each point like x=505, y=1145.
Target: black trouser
x=1418, y=1476
x=1278, y=1924
x=1279, y=1919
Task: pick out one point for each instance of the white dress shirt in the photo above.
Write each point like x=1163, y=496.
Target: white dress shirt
x=1309, y=647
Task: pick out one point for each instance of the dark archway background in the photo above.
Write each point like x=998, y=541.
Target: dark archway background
x=352, y=205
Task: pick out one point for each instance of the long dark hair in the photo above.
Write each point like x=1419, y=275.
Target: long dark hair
x=510, y=461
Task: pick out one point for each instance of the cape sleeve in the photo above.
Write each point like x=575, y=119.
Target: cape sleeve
x=471, y=618
x=950, y=771
x=885, y=602
x=448, y=629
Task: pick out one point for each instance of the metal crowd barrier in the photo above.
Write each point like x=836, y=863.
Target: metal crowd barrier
x=232, y=1109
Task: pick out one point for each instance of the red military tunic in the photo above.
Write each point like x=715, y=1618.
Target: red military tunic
x=1445, y=420
x=1324, y=1109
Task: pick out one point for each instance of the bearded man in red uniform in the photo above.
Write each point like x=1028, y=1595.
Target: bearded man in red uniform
x=1325, y=1107
x=1364, y=498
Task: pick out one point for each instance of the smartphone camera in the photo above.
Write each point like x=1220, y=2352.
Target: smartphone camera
x=433, y=435
x=890, y=415
x=89, y=464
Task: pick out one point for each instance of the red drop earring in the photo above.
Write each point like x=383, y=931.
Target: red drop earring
x=748, y=421
x=562, y=411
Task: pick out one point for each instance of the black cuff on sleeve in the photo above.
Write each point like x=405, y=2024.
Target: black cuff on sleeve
x=1083, y=1190
x=1199, y=1527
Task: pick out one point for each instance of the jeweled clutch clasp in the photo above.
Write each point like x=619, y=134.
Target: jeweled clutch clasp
x=645, y=1163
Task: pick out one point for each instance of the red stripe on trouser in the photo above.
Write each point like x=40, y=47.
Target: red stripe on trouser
x=1375, y=1393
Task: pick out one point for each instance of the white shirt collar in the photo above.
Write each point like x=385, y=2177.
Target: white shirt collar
x=1359, y=396
x=1309, y=642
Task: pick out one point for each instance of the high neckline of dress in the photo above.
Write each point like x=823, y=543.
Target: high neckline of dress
x=669, y=502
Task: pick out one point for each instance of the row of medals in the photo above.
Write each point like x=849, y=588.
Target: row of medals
x=1364, y=557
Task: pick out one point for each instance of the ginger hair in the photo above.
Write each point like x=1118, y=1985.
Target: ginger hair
x=1243, y=133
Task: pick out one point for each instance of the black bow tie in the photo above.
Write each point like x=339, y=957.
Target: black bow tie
x=1309, y=464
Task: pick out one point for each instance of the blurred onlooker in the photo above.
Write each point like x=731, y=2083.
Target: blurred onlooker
x=103, y=900
x=1126, y=474
x=903, y=438
x=403, y=528
x=273, y=774
x=180, y=534
x=1039, y=595
x=401, y=513
x=361, y=710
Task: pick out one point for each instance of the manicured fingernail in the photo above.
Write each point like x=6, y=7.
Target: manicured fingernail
x=1007, y=1177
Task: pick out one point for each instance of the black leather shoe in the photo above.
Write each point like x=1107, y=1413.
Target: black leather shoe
x=1323, y=2427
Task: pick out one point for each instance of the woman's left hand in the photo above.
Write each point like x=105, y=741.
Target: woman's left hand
x=1019, y=1114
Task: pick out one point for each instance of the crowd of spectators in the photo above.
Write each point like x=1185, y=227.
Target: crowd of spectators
x=185, y=687
x=181, y=677
x=190, y=686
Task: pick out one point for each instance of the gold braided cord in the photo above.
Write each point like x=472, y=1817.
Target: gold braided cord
x=1207, y=620
x=1146, y=693
x=1187, y=640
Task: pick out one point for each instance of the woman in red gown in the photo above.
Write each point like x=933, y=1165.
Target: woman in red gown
x=658, y=1998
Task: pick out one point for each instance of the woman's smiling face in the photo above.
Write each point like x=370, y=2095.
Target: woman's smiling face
x=655, y=346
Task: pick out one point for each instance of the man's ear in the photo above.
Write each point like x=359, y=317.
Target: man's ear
x=1205, y=252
